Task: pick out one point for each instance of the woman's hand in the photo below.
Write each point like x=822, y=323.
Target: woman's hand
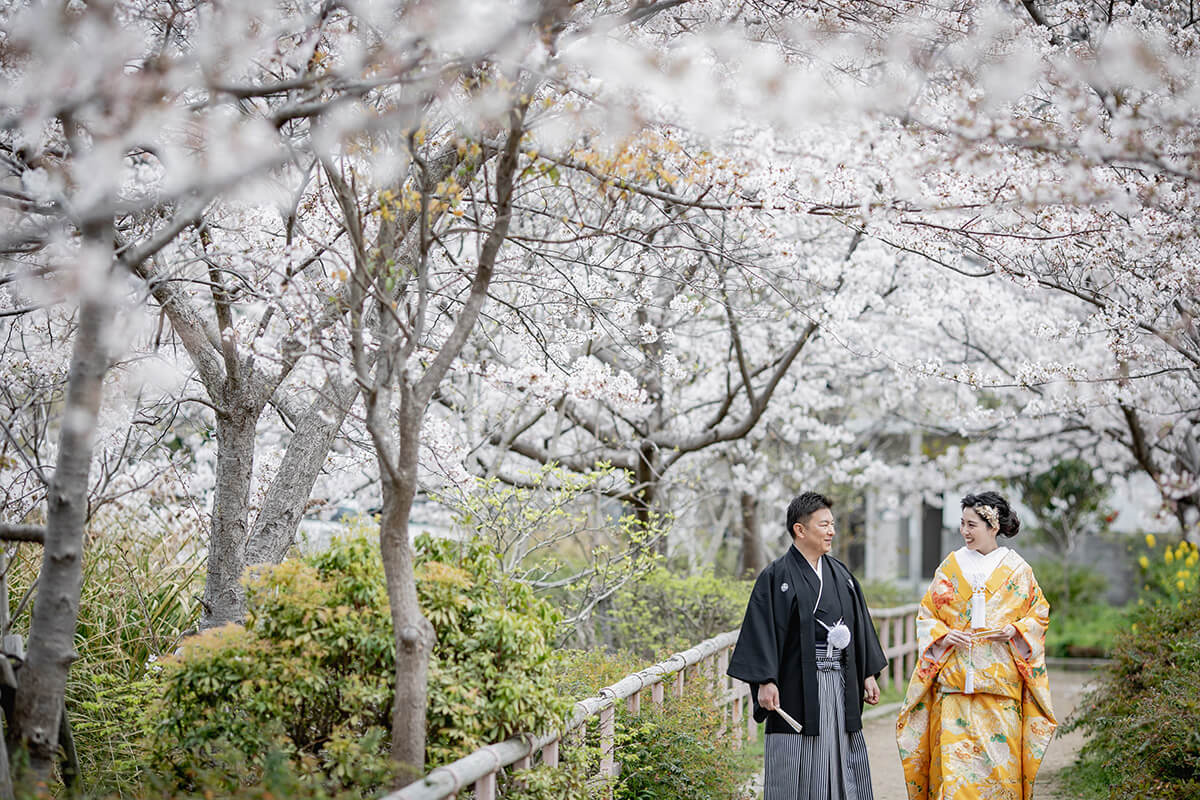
x=1007, y=633
x=956, y=639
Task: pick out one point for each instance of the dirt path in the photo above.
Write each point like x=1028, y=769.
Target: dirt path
x=888, y=778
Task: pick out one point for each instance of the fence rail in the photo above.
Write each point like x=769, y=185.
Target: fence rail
x=706, y=661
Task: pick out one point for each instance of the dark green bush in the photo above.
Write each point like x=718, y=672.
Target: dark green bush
x=1144, y=717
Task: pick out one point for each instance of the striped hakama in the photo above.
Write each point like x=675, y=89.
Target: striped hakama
x=831, y=766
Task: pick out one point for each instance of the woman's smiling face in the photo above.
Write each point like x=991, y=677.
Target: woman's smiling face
x=977, y=534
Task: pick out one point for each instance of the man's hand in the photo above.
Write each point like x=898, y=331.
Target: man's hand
x=871, y=690
x=768, y=696
x=957, y=638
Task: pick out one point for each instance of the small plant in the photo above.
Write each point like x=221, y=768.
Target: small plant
x=1144, y=715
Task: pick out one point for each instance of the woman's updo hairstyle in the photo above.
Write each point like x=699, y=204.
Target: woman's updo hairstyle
x=1009, y=525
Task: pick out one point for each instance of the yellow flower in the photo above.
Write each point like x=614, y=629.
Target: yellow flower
x=1133, y=627
x=1168, y=556
x=1145, y=562
x=1150, y=540
x=1192, y=559
x=1181, y=585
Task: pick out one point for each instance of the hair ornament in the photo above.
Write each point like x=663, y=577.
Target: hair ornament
x=990, y=514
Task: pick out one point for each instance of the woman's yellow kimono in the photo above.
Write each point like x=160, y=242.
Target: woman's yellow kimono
x=986, y=745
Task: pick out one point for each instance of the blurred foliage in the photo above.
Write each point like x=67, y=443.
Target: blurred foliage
x=1085, y=585
x=550, y=533
x=886, y=594
x=1169, y=572
x=1088, y=632
x=1143, y=717
x=1068, y=505
x=662, y=613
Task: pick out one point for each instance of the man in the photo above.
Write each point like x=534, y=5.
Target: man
x=808, y=649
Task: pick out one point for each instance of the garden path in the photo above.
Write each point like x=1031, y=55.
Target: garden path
x=1066, y=688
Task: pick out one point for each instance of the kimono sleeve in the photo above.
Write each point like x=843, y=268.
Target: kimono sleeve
x=1030, y=644
x=755, y=658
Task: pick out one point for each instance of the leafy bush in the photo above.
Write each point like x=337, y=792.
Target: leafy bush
x=1169, y=574
x=663, y=613
x=1084, y=585
x=310, y=675
x=1144, y=716
x=1088, y=632
x=665, y=752
x=885, y=594
x=491, y=670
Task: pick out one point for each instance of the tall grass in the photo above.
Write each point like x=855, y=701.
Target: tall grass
x=137, y=601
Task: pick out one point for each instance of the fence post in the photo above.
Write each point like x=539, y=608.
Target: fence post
x=607, y=732
x=550, y=754
x=910, y=641
x=679, y=682
x=751, y=725
x=897, y=663
x=656, y=694
x=485, y=787
x=634, y=703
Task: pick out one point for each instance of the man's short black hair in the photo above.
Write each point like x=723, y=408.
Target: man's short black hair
x=804, y=506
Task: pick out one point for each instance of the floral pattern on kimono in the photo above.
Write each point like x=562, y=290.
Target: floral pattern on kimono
x=989, y=744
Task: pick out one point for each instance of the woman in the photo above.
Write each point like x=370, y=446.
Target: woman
x=977, y=718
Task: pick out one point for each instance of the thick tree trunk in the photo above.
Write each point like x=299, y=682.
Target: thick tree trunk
x=224, y=599
x=753, y=559
x=414, y=634
x=43, y=678
x=275, y=526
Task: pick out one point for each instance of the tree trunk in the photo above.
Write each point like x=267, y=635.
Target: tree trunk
x=43, y=678
x=753, y=559
x=414, y=634
x=224, y=599
x=275, y=526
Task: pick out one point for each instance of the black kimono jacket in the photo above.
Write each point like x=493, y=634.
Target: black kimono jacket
x=778, y=640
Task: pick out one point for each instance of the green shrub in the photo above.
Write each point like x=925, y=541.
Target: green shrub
x=1144, y=716
x=1088, y=632
x=663, y=613
x=665, y=752
x=1169, y=573
x=310, y=675
x=491, y=670
x=885, y=594
x=1085, y=586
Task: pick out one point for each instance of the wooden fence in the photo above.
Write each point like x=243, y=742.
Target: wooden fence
x=706, y=661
